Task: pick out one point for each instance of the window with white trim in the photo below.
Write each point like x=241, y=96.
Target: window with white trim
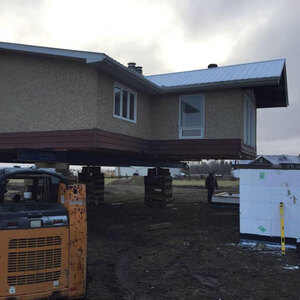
x=191, y=116
x=125, y=103
x=249, y=122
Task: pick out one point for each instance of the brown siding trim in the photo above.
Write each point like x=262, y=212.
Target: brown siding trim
x=48, y=139
x=196, y=147
x=247, y=149
x=121, y=142
x=97, y=139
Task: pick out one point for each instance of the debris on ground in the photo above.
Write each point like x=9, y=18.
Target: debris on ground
x=259, y=247
x=160, y=226
x=198, y=257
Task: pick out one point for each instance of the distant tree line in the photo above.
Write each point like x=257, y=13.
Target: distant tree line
x=213, y=166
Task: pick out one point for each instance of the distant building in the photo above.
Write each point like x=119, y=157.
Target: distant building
x=283, y=161
x=142, y=171
x=235, y=172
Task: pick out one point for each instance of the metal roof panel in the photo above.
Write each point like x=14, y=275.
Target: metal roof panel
x=249, y=71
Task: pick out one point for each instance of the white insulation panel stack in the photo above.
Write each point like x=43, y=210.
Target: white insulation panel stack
x=261, y=192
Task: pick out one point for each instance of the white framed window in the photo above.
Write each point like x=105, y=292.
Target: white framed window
x=249, y=122
x=191, y=116
x=125, y=103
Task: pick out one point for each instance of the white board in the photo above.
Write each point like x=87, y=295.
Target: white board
x=226, y=198
x=261, y=191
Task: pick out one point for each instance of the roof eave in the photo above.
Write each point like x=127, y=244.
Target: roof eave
x=285, y=85
x=131, y=77
x=222, y=85
x=87, y=57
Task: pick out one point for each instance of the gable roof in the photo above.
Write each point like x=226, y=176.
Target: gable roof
x=270, y=162
x=266, y=78
x=278, y=160
x=261, y=76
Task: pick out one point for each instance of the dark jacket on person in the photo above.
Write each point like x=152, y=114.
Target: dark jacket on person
x=211, y=182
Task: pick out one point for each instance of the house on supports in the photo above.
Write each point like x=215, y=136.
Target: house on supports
x=84, y=107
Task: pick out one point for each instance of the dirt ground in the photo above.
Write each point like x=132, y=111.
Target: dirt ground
x=197, y=257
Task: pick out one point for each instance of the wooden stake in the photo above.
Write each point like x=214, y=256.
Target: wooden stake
x=282, y=229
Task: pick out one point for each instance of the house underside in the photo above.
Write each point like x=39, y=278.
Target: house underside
x=100, y=147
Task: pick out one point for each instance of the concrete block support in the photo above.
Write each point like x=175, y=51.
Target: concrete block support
x=62, y=168
x=94, y=181
x=158, y=188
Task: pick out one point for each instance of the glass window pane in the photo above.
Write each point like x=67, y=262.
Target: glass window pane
x=125, y=103
x=117, y=101
x=192, y=111
x=131, y=107
x=193, y=132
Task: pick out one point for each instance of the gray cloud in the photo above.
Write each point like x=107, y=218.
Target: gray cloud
x=24, y=19
x=205, y=19
x=148, y=55
x=279, y=38
x=29, y=24
x=274, y=33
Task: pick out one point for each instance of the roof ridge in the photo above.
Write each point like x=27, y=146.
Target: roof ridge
x=189, y=71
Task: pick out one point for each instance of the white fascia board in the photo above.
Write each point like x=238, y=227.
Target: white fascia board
x=89, y=57
x=93, y=60
x=286, y=84
x=224, y=84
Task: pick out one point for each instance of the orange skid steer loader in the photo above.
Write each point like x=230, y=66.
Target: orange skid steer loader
x=43, y=236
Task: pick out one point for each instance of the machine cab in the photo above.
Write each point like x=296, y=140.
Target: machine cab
x=36, y=256
x=28, y=199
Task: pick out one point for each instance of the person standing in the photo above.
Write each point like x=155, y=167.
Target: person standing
x=210, y=184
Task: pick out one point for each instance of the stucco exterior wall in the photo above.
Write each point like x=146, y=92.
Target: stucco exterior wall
x=105, y=118
x=165, y=117
x=224, y=111
x=223, y=115
x=43, y=94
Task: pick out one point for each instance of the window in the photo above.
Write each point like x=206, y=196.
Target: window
x=32, y=188
x=191, y=116
x=125, y=103
x=249, y=122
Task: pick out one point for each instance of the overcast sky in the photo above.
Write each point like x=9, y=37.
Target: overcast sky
x=174, y=35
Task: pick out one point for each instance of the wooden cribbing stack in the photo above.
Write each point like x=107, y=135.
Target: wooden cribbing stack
x=94, y=181
x=158, y=188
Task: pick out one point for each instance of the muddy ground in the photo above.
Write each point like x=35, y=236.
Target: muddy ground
x=197, y=257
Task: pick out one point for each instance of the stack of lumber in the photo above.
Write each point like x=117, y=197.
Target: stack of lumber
x=158, y=188
x=94, y=181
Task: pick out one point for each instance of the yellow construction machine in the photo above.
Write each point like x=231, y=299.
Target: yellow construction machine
x=43, y=235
